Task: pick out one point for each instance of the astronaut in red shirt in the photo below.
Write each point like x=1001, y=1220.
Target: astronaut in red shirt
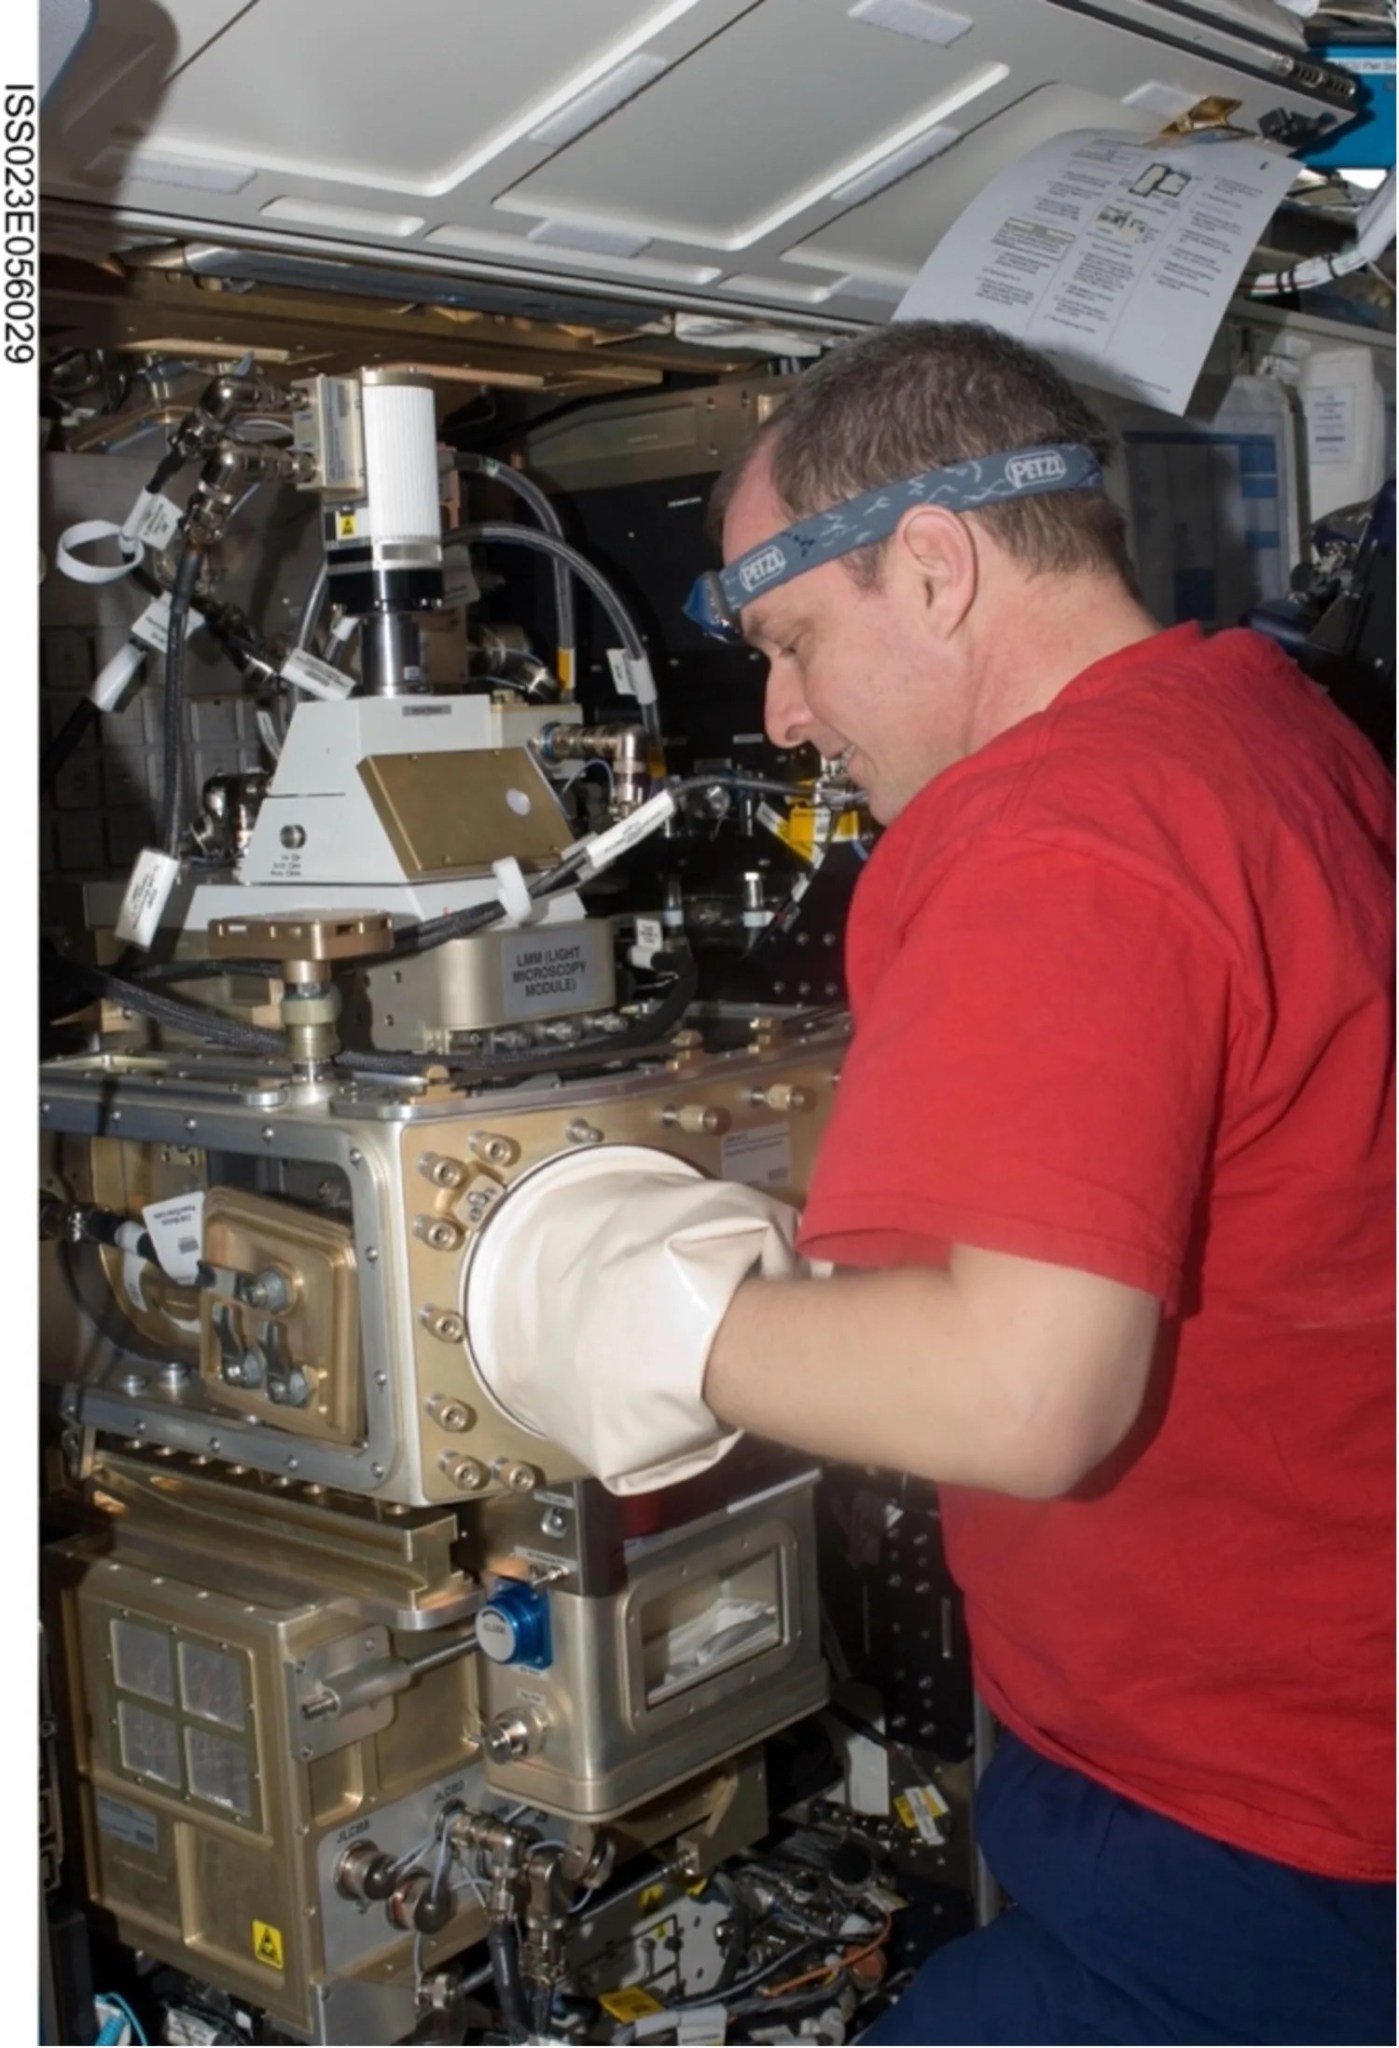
x=1108, y=1192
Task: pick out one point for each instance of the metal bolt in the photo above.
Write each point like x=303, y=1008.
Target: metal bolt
x=356, y=1156
x=580, y=1132
x=449, y=1413
x=442, y=1172
x=517, y=1475
x=293, y=836
x=554, y=1522
x=371, y=1254
x=467, y=1474
x=132, y=1383
x=443, y=1323
x=268, y=1134
x=443, y=1233
x=698, y=1119
x=493, y=1148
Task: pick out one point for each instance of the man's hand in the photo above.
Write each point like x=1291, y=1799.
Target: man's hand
x=593, y=1298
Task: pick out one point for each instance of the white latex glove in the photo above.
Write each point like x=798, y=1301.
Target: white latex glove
x=593, y=1296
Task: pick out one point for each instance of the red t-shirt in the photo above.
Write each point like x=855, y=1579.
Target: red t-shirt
x=1122, y=986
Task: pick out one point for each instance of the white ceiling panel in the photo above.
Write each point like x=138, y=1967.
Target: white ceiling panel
x=800, y=156
x=796, y=86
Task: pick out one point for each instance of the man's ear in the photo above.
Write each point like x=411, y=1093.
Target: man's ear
x=935, y=558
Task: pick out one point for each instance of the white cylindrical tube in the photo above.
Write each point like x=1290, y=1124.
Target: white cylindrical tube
x=400, y=462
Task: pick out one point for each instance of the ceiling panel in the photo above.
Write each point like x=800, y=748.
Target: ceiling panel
x=782, y=155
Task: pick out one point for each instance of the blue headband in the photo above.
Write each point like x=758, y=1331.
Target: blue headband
x=720, y=595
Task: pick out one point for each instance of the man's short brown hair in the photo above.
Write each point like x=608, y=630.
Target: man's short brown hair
x=920, y=394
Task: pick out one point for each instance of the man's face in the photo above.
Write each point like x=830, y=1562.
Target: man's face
x=849, y=667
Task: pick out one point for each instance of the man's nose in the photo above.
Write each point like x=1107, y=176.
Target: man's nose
x=785, y=716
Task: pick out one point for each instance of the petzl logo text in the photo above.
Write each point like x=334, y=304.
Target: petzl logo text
x=771, y=562
x=1036, y=469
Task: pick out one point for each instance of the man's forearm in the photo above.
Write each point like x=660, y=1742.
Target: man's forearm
x=910, y=1369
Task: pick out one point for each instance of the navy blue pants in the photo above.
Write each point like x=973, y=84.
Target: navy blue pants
x=1128, y=1927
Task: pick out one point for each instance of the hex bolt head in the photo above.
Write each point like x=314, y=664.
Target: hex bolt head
x=493, y=1148
x=443, y=1233
x=443, y=1323
x=515, y=1473
x=468, y=1475
x=442, y=1172
x=449, y=1413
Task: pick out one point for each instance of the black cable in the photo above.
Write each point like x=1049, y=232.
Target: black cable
x=740, y=1926
x=169, y=465
x=504, y=1952
x=70, y=735
x=179, y=1016
x=758, y=1976
x=172, y=806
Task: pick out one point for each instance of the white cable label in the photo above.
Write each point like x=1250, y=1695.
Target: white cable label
x=176, y=1226
x=650, y=935
x=152, y=519
x=316, y=677
x=147, y=893
x=152, y=629
x=643, y=683
x=621, y=672
x=618, y=839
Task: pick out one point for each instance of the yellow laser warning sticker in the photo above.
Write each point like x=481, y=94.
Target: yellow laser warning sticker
x=922, y=1809
x=654, y=1895
x=346, y=525
x=267, y=1944
x=631, y=2004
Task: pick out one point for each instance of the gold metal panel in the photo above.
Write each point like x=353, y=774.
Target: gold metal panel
x=262, y=1579
x=749, y=1138
x=319, y=1332
x=455, y=813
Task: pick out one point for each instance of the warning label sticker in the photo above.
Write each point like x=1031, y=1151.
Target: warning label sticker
x=267, y=1944
x=543, y=975
x=633, y=2002
x=923, y=1810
